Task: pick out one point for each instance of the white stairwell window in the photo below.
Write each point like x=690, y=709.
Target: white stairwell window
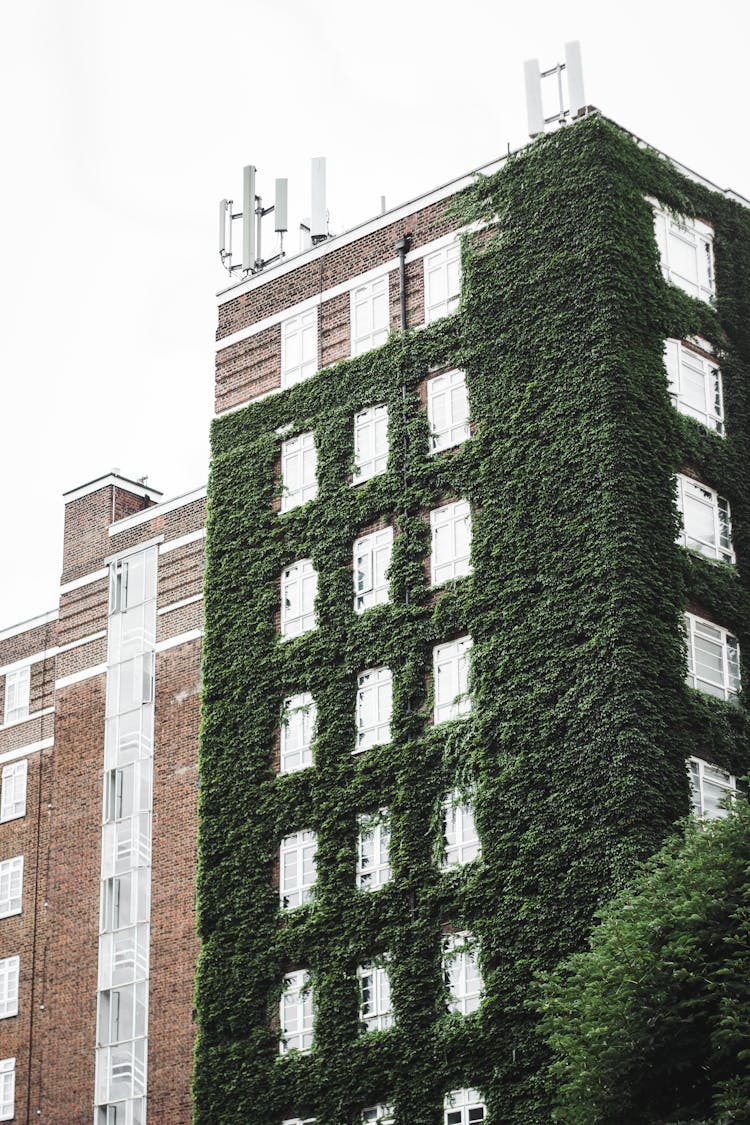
x=451, y=679
x=297, y=872
x=378, y=1115
x=299, y=587
x=711, y=789
x=713, y=658
x=296, y=1013
x=686, y=247
x=297, y=732
x=13, y=792
x=11, y=886
x=451, y=541
x=442, y=282
x=462, y=976
x=460, y=840
x=17, y=694
x=369, y=315
x=695, y=383
x=373, y=851
x=706, y=520
x=373, y=710
x=447, y=410
x=375, y=1009
x=299, y=466
x=299, y=348
x=370, y=443
x=464, y=1107
x=371, y=559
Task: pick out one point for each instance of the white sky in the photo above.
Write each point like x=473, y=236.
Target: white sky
x=125, y=123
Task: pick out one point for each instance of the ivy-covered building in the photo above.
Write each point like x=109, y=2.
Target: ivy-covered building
x=476, y=602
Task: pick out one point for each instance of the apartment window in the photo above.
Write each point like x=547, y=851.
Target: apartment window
x=713, y=658
x=299, y=586
x=7, y=1089
x=378, y=1115
x=299, y=464
x=17, y=694
x=687, y=256
x=372, y=557
x=297, y=868
x=296, y=1013
x=299, y=348
x=706, y=523
x=9, y=987
x=695, y=384
x=130, y=1112
x=297, y=732
x=373, y=848
x=125, y=899
x=463, y=979
x=375, y=1010
x=370, y=315
x=447, y=410
x=451, y=541
x=123, y=1013
x=461, y=842
x=132, y=581
x=442, y=281
x=451, y=676
x=464, y=1107
x=11, y=886
x=711, y=789
x=13, y=793
x=127, y=790
x=370, y=443
x=374, y=702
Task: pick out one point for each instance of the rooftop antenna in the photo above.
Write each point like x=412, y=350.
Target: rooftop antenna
x=251, y=217
x=315, y=229
x=576, y=101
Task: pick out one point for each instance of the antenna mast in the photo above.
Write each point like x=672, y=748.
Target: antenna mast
x=252, y=214
x=576, y=102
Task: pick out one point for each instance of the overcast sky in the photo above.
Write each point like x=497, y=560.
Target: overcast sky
x=124, y=124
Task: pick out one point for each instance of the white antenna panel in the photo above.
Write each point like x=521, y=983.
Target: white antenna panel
x=534, y=111
x=280, y=223
x=574, y=68
x=222, y=226
x=319, y=216
x=248, y=217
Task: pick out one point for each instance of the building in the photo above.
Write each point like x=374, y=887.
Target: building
x=448, y=600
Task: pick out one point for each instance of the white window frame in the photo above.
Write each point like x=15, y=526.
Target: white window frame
x=447, y=559
x=463, y=978
x=702, y=633
x=373, y=850
x=298, y=454
x=123, y=1112
x=11, y=886
x=297, y=733
x=448, y=392
x=299, y=348
x=7, y=1089
x=707, y=780
x=17, y=694
x=450, y=669
x=296, y=999
x=695, y=236
x=299, y=1121
x=371, y=558
x=13, y=790
x=461, y=842
x=370, y=301
x=683, y=365
x=378, y=1115
x=375, y=1007
x=442, y=281
x=458, y=1106
x=9, y=972
x=297, y=870
x=370, y=426
x=298, y=581
x=691, y=492
x=374, y=685
x=132, y=581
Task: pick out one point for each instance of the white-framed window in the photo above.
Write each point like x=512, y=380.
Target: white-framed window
x=378, y=1115
x=121, y=1074
x=123, y=1013
x=299, y=1121
x=447, y=410
x=373, y=712
x=706, y=520
x=375, y=1009
x=127, y=790
x=713, y=658
x=299, y=586
x=9, y=967
x=369, y=315
x=373, y=851
x=17, y=694
x=460, y=842
x=299, y=347
x=129, y=1112
x=123, y=959
x=463, y=979
x=695, y=384
x=11, y=886
x=13, y=792
x=297, y=872
x=7, y=1089
x=442, y=281
x=296, y=1013
x=370, y=443
x=299, y=465
x=711, y=789
x=125, y=899
x=686, y=247
x=132, y=581
x=464, y=1107
x=372, y=557
x=451, y=679
x=451, y=541
x=297, y=732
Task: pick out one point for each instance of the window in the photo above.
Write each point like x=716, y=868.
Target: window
x=297, y=733
x=378, y=1115
x=7, y=1089
x=123, y=958
x=299, y=586
x=464, y=1107
x=17, y=694
x=299, y=348
x=299, y=1121
x=687, y=257
x=710, y=789
x=442, y=282
x=130, y=1112
x=132, y=581
x=125, y=899
x=11, y=886
x=122, y=1013
x=297, y=869
x=463, y=979
x=13, y=799
x=451, y=673
x=370, y=443
x=372, y=557
x=461, y=843
x=373, y=845
x=9, y=987
x=695, y=384
x=706, y=520
x=451, y=541
x=447, y=410
x=299, y=463
x=130, y=684
x=374, y=701
x=713, y=658
x=374, y=996
x=120, y=1074
x=127, y=790
x=370, y=315
x=296, y=1013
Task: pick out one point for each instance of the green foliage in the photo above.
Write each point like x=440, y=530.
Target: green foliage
x=576, y=745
